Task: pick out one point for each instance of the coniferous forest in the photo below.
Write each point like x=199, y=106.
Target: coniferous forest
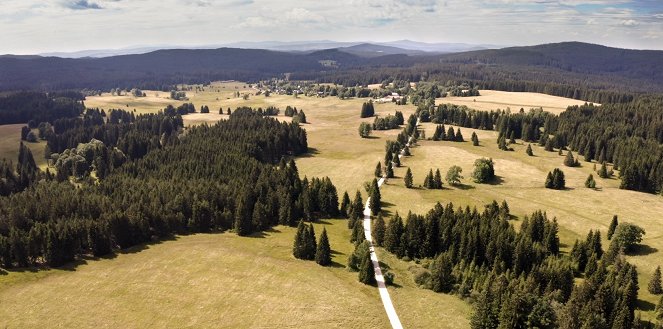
x=157, y=181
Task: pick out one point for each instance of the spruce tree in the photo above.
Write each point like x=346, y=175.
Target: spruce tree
x=393, y=235
x=358, y=206
x=590, y=183
x=569, y=161
x=345, y=203
x=323, y=252
x=459, y=136
x=654, y=286
x=397, y=160
x=428, y=181
x=613, y=226
x=298, y=248
x=437, y=180
x=475, y=139
x=376, y=198
x=529, y=150
x=366, y=271
x=603, y=172
x=659, y=309
x=379, y=231
x=408, y=178
x=389, y=172
x=378, y=170
x=406, y=151
x=451, y=135
x=441, y=277
x=310, y=243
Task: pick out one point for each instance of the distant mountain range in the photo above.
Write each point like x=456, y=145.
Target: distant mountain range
x=565, y=63
x=407, y=47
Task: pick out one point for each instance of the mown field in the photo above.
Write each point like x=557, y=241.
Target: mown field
x=495, y=99
x=223, y=280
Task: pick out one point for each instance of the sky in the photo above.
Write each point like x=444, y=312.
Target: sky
x=37, y=26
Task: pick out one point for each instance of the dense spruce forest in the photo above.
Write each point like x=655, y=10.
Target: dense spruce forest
x=37, y=107
x=154, y=180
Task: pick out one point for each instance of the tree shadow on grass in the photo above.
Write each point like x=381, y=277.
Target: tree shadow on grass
x=464, y=187
x=386, y=204
x=337, y=265
x=496, y=181
x=312, y=151
x=644, y=305
x=336, y=252
x=643, y=250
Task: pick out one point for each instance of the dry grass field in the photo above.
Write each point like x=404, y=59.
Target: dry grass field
x=10, y=139
x=493, y=99
x=255, y=282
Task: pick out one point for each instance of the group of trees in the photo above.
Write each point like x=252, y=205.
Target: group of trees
x=439, y=134
x=244, y=184
x=388, y=122
x=518, y=279
x=433, y=181
x=555, y=180
x=484, y=171
x=367, y=110
x=305, y=245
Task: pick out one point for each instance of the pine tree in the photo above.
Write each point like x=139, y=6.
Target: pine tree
x=366, y=271
x=379, y=231
x=408, y=178
x=529, y=150
x=323, y=252
x=378, y=170
x=613, y=226
x=654, y=286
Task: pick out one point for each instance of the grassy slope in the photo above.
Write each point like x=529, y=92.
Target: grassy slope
x=10, y=138
x=577, y=209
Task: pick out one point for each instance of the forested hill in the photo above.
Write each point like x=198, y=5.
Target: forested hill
x=569, y=69
x=573, y=57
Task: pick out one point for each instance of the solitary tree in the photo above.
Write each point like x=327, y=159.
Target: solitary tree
x=654, y=286
x=590, y=183
x=529, y=150
x=603, y=172
x=323, y=252
x=454, y=175
x=408, y=178
x=365, y=130
x=570, y=161
x=484, y=170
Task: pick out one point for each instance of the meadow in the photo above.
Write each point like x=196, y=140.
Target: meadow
x=255, y=282
x=495, y=99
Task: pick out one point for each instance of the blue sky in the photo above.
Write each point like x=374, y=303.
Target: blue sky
x=31, y=26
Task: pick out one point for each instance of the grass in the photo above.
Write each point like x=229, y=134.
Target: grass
x=493, y=99
x=577, y=209
x=225, y=276
x=198, y=281
x=10, y=139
